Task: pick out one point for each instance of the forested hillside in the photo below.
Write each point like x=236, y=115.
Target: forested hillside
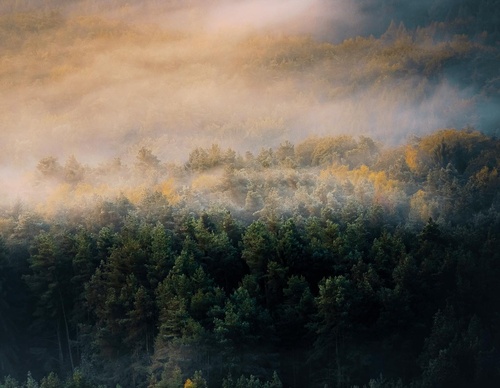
x=249, y=193
x=333, y=261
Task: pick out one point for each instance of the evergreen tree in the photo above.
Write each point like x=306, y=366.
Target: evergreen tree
x=49, y=279
x=9, y=351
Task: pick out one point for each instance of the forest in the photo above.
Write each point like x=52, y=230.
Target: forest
x=335, y=261
x=249, y=194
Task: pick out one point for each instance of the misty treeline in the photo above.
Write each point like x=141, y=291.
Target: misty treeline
x=335, y=261
x=91, y=81
x=474, y=15
x=449, y=176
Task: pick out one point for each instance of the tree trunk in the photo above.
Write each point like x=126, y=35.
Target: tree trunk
x=61, y=355
x=67, y=333
x=337, y=359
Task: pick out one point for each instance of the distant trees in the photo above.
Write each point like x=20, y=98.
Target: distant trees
x=146, y=160
x=72, y=172
x=49, y=167
x=201, y=159
x=449, y=174
x=338, y=150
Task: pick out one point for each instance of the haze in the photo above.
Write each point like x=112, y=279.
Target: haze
x=100, y=80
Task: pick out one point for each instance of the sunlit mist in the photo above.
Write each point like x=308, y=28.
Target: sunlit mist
x=99, y=81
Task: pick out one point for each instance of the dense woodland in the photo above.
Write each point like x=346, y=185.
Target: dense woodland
x=335, y=261
x=346, y=252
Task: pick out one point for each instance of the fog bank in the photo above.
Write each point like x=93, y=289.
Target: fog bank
x=99, y=80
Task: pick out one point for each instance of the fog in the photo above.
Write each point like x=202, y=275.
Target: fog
x=100, y=80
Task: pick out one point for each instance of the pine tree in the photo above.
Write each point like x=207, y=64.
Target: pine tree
x=49, y=279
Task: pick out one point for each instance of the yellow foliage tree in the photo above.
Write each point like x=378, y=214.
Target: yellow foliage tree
x=167, y=188
x=411, y=158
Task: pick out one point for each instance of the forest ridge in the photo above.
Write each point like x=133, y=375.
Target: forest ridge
x=333, y=261
x=249, y=193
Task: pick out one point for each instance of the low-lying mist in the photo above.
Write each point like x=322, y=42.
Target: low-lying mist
x=103, y=80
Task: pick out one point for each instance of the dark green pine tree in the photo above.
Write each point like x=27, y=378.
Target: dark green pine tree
x=9, y=349
x=332, y=324
x=296, y=311
x=160, y=256
x=218, y=253
x=85, y=262
x=290, y=247
x=453, y=354
x=50, y=282
x=322, y=246
x=114, y=294
x=258, y=248
x=184, y=299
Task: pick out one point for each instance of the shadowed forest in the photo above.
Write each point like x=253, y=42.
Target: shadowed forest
x=333, y=261
x=211, y=195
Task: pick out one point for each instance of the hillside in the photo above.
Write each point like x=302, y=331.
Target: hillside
x=382, y=256
x=249, y=193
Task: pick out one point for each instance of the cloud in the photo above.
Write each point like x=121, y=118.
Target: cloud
x=102, y=79
x=258, y=14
